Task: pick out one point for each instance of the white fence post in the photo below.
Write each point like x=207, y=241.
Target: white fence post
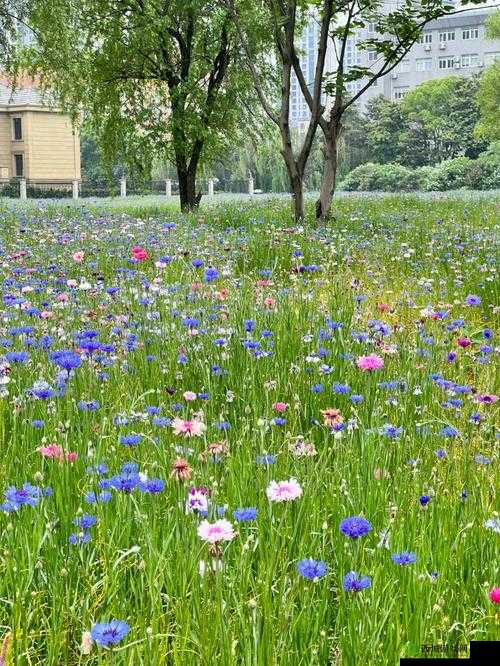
x=168, y=187
x=75, y=189
x=22, y=189
x=210, y=187
x=250, y=184
x=123, y=187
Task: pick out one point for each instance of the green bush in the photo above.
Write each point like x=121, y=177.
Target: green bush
x=372, y=177
x=460, y=172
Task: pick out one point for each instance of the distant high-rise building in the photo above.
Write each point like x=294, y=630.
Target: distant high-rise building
x=449, y=45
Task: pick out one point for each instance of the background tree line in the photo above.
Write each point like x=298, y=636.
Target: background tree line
x=204, y=85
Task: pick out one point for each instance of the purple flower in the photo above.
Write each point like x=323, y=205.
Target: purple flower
x=109, y=633
x=355, y=526
x=311, y=569
x=353, y=582
x=404, y=558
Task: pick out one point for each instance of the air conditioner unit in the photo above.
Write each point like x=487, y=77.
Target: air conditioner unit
x=442, y=46
x=427, y=47
x=394, y=75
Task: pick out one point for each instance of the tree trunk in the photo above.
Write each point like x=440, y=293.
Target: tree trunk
x=324, y=203
x=297, y=187
x=187, y=189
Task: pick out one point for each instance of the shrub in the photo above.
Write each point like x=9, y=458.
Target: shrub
x=372, y=177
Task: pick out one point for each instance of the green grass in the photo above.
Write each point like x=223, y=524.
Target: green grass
x=417, y=254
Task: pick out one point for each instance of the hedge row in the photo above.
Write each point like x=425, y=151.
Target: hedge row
x=460, y=172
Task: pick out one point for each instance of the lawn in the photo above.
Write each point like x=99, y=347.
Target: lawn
x=248, y=442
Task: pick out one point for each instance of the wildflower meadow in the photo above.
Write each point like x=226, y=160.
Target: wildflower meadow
x=228, y=439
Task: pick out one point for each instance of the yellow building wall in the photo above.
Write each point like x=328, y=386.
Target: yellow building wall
x=5, y=141
x=53, y=149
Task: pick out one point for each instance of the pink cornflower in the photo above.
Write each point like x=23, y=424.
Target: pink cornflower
x=221, y=530
x=188, y=427
x=464, y=342
x=370, y=362
x=280, y=407
x=283, y=491
x=139, y=253
x=495, y=595
x=486, y=398
x=269, y=302
x=383, y=307
x=79, y=256
x=331, y=417
x=56, y=452
x=189, y=396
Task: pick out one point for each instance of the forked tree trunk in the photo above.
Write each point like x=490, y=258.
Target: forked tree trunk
x=324, y=203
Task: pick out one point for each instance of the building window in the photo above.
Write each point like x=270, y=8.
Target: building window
x=490, y=58
x=470, y=33
x=469, y=60
x=399, y=93
x=447, y=62
x=19, y=164
x=425, y=38
x=448, y=36
x=372, y=27
x=423, y=64
x=17, y=129
x=404, y=66
x=372, y=55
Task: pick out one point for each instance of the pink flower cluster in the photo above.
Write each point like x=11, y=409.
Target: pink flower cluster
x=56, y=452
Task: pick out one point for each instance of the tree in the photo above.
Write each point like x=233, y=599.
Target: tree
x=395, y=30
x=442, y=114
x=488, y=96
x=385, y=123
x=286, y=21
x=158, y=79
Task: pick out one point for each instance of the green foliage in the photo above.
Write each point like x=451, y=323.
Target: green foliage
x=160, y=81
x=457, y=173
x=488, y=99
x=377, y=177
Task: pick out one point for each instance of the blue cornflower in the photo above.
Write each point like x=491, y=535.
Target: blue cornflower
x=17, y=357
x=197, y=263
x=355, y=526
x=404, y=558
x=109, y=633
x=391, y=431
x=278, y=420
x=88, y=406
x=472, y=299
x=311, y=569
x=26, y=495
x=267, y=459
x=450, y=431
x=79, y=539
x=340, y=388
x=245, y=515
x=482, y=460
x=130, y=440
x=42, y=390
x=152, y=486
x=67, y=360
x=85, y=522
x=353, y=582
x=356, y=399
x=440, y=453
x=317, y=388
x=211, y=274
x=37, y=423
x=424, y=500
